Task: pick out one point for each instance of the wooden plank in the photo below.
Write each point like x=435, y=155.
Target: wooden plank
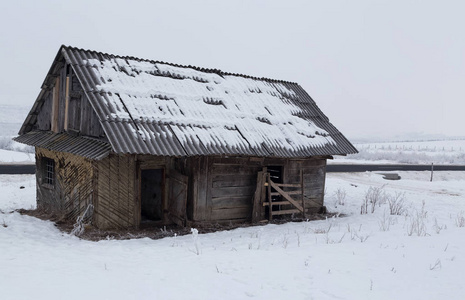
x=85, y=111
x=231, y=213
x=302, y=191
x=55, y=101
x=201, y=179
x=257, y=198
x=263, y=195
x=270, y=215
x=277, y=203
x=285, y=195
x=209, y=165
x=232, y=180
x=65, y=125
x=228, y=202
x=286, y=212
x=285, y=184
x=234, y=169
x=230, y=160
x=177, y=197
x=299, y=192
x=233, y=191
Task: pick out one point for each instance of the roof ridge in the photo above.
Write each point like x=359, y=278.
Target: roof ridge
x=200, y=69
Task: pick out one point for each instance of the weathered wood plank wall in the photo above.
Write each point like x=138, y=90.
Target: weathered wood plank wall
x=44, y=116
x=223, y=188
x=314, y=181
x=116, y=204
x=232, y=188
x=73, y=188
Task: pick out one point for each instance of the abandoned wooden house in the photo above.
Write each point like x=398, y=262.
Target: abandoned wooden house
x=122, y=140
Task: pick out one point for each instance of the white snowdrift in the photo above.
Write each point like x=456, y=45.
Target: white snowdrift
x=340, y=258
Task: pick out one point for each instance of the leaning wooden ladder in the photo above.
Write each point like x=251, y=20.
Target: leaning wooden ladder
x=288, y=200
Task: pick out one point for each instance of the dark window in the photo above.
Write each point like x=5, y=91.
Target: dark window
x=49, y=171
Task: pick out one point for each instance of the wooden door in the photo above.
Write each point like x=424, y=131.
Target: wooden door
x=177, y=197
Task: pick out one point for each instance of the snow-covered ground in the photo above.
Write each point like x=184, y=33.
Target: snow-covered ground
x=419, y=254
x=15, y=157
x=417, y=152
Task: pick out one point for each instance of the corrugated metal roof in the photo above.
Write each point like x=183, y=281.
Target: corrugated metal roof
x=63, y=142
x=151, y=107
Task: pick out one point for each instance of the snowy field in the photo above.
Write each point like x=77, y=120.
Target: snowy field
x=417, y=254
x=15, y=157
x=419, y=152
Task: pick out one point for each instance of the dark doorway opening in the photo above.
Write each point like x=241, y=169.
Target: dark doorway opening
x=276, y=175
x=151, y=194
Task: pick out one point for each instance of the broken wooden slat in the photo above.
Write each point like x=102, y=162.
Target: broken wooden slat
x=285, y=184
x=285, y=212
x=277, y=203
x=288, y=192
x=285, y=195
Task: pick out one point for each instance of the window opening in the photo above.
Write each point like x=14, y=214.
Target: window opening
x=49, y=176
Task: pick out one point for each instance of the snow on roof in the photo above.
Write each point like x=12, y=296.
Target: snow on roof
x=231, y=108
x=150, y=107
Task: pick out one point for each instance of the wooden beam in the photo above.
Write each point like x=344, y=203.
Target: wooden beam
x=55, y=101
x=286, y=196
x=66, y=103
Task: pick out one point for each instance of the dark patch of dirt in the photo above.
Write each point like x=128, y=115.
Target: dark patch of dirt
x=154, y=231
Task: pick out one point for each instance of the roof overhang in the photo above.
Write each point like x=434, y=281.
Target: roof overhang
x=64, y=142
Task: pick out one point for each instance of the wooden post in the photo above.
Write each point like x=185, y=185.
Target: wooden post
x=270, y=206
x=263, y=193
x=257, y=200
x=432, y=169
x=302, y=191
x=55, y=102
x=66, y=103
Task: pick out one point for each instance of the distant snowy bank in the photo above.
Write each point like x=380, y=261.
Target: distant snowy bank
x=424, y=152
x=15, y=157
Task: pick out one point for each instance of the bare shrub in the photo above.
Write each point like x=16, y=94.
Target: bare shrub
x=322, y=230
x=385, y=222
x=82, y=221
x=417, y=224
x=361, y=237
x=340, y=196
x=437, y=265
x=438, y=227
x=396, y=203
x=460, y=219
x=195, y=239
x=373, y=196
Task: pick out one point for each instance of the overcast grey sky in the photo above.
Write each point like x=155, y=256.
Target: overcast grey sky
x=374, y=67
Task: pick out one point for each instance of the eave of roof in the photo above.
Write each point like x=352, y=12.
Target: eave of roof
x=64, y=142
